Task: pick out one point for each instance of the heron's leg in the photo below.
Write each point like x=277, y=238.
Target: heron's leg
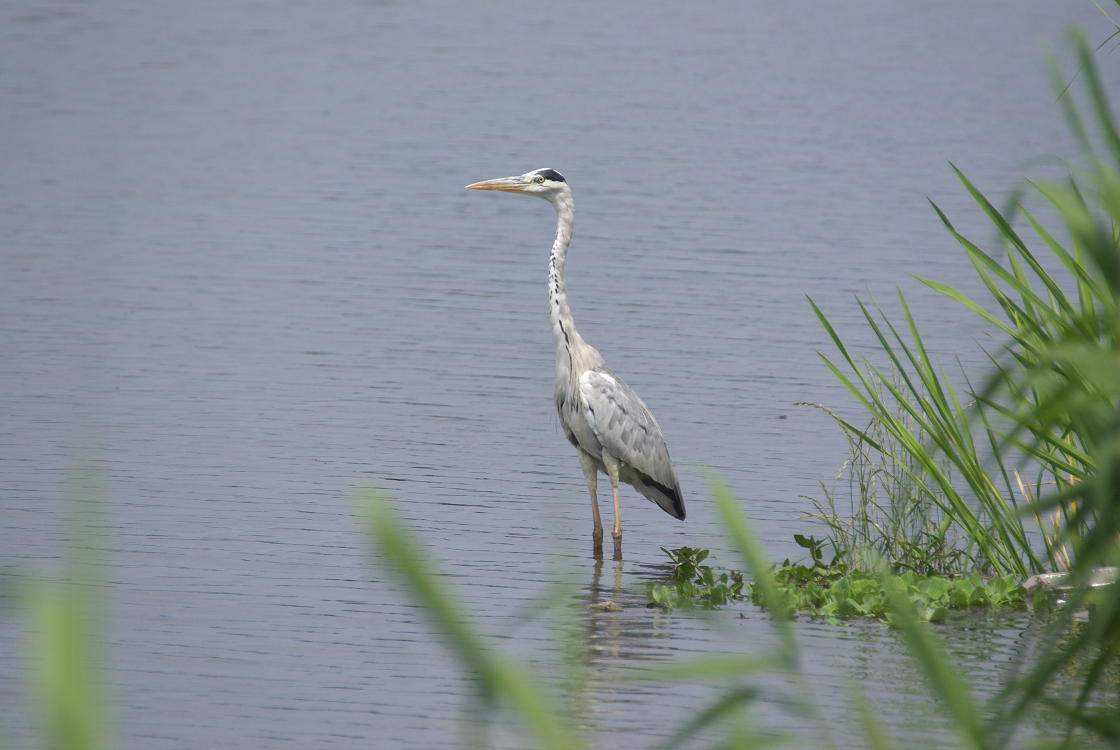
x=590, y=474
x=616, y=531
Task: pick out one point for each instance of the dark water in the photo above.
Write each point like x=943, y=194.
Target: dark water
x=240, y=277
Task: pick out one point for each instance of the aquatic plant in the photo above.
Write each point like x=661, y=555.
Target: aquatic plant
x=830, y=589
x=691, y=583
x=500, y=683
x=889, y=517
x=1048, y=409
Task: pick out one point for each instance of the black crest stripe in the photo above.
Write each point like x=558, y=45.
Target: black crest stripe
x=551, y=174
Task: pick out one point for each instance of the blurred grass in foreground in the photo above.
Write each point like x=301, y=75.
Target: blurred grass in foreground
x=67, y=684
x=500, y=683
x=525, y=695
x=66, y=689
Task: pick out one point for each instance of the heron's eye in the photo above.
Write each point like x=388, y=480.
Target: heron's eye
x=540, y=179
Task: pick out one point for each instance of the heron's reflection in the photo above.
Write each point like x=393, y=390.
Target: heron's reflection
x=619, y=629
x=615, y=632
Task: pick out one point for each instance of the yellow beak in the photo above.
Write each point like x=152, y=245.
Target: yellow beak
x=511, y=184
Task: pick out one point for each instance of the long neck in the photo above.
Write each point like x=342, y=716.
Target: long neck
x=563, y=327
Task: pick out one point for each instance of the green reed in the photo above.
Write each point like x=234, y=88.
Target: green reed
x=1048, y=409
x=888, y=517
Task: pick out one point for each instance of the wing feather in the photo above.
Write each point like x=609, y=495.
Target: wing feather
x=626, y=429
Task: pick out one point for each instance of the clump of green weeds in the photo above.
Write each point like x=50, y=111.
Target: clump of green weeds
x=837, y=593
x=690, y=583
x=829, y=589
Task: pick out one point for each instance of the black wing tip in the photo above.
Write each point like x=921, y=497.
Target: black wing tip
x=675, y=505
x=674, y=495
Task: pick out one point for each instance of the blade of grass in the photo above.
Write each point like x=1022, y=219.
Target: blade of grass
x=499, y=680
x=723, y=708
x=66, y=676
x=741, y=533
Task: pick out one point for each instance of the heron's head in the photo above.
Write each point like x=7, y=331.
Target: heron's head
x=543, y=183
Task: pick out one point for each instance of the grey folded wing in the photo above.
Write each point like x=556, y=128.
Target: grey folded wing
x=627, y=430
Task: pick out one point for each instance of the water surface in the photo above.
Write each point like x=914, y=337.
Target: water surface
x=240, y=277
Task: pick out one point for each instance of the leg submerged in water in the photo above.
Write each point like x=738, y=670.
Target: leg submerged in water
x=616, y=530
x=590, y=474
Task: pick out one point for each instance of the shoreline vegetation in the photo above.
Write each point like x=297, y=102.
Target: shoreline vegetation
x=966, y=493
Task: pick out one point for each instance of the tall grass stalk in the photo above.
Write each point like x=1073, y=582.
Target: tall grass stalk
x=888, y=517
x=1070, y=387
x=941, y=675
x=925, y=418
x=739, y=529
x=66, y=679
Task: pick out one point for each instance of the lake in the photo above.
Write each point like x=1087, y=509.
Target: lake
x=241, y=278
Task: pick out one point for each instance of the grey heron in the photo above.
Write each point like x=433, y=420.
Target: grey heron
x=611, y=428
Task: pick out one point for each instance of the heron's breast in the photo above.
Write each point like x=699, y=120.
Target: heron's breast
x=576, y=424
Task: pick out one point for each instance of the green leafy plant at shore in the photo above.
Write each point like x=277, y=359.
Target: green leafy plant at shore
x=830, y=590
x=837, y=594
x=693, y=584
